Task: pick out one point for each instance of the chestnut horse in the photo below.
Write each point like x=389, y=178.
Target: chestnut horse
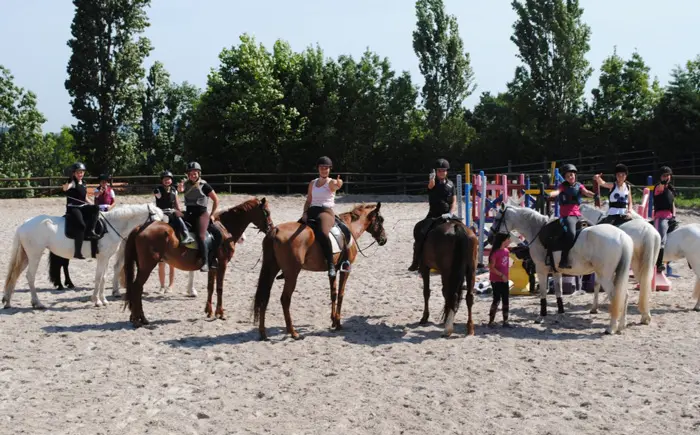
x=151, y=243
x=451, y=248
x=291, y=248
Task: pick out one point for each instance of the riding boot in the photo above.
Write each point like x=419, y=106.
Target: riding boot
x=93, y=224
x=185, y=237
x=660, y=261
x=417, y=253
x=505, y=315
x=328, y=253
x=201, y=245
x=564, y=261
x=78, y=247
x=212, y=249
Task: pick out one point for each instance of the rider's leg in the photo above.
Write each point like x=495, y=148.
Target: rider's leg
x=569, y=238
x=202, y=225
x=92, y=212
x=78, y=223
x=327, y=220
x=419, y=231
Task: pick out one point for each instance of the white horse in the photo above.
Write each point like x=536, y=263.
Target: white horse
x=684, y=242
x=43, y=232
x=604, y=249
x=647, y=243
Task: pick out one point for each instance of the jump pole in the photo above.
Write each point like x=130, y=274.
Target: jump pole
x=482, y=217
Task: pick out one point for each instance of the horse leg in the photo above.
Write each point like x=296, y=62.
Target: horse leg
x=341, y=293
x=138, y=317
x=607, y=283
x=69, y=284
x=544, y=288
x=696, y=293
x=31, y=276
x=596, y=292
x=425, y=273
x=210, y=292
x=220, y=273
x=470, y=303
x=334, y=299
x=118, y=270
x=99, y=282
x=558, y=293
x=290, y=282
x=190, y=286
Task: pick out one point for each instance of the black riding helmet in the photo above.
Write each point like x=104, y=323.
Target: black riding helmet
x=568, y=168
x=194, y=166
x=104, y=177
x=665, y=170
x=324, y=161
x=166, y=174
x=621, y=168
x=442, y=164
x=78, y=166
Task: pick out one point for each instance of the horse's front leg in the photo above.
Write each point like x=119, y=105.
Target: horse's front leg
x=425, y=273
x=69, y=284
x=190, y=286
x=544, y=288
x=470, y=303
x=557, y=292
x=99, y=281
x=596, y=291
x=341, y=293
x=334, y=299
x=210, y=293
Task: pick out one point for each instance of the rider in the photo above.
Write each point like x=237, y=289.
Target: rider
x=104, y=194
x=664, y=209
x=197, y=193
x=320, y=200
x=569, y=193
x=620, y=196
x=443, y=204
x=77, y=206
x=166, y=200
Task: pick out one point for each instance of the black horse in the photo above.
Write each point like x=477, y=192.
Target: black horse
x=55, y=265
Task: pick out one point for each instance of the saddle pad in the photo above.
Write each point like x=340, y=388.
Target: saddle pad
x=338, y=236
x=193, y=245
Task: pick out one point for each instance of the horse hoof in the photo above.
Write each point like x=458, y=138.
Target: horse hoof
x=70, y=285
x=594, y=311
x=696, y=308
x=38, y=306
x=297, y=337
x=539, y=320
x=646, y=320
x=423, y=321
x=264, y=338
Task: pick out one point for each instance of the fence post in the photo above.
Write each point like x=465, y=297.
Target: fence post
x=510, y=166
x=347, y=187
x=288, y=191
x=229, y=184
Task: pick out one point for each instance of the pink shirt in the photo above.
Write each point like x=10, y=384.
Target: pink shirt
x=566, y=210
x=500, y=260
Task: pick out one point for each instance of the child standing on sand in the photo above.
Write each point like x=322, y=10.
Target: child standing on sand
x=499, y=263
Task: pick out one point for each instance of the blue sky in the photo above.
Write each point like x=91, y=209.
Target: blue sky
x=188, y=36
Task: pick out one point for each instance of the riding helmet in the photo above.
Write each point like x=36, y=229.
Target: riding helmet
x=620, y=167
x=324, y=161
x=665, y=170
x=104, y=177
x=194, y=166
x=78, y=166
x=442, y=164
x=568, y=168
x=166, y=174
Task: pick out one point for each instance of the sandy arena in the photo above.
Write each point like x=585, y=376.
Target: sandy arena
x=78, y=369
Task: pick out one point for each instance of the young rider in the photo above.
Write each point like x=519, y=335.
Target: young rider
x=104, y=194
x=443, y=204
x=569, y=196
x=166, y=200
x=77, y=206
x=620, y=196
x=664, y=207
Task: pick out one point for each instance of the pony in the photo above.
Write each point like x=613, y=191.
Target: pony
x=647, y=243
x=603, y=249
x=290, y=247
x=43, y=232
x=683, y=242
x=57, y=263
x=156, y=241
x=451, y=248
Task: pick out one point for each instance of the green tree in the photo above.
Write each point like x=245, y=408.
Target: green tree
x=445, y=66
x=104, y=79
x=552, y=43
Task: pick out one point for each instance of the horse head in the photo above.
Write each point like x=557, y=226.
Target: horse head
x=261, y=216
x=371, y=220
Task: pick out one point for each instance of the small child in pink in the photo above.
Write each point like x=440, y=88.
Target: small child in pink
x=499, y=263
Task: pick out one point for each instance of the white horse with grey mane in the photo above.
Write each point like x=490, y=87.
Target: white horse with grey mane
x=604, y=249
x=647, y=243
x=43, y=232
x=683, y=242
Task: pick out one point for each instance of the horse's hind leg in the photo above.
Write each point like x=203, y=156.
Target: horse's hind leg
x=221, y=272
x=31, y=276
x=334, y=299
x=607, y=283
x=470, y=303
x=596, y=292
x=290, y=282
x=341, y=293
x=190, y=286
x=210, y=293
x=68, y=282
x=98, y=294
x=425, y=273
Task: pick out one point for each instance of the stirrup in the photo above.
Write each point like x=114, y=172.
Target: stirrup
x=345, y=267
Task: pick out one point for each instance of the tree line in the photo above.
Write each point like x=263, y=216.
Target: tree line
x=271, y=109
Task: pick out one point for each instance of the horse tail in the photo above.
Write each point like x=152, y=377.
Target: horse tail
x=622, y=271
x=458, y=270
x=267, y=274
x=130, y=261
x=55, y=264
x=647, y=268
x=18, y=262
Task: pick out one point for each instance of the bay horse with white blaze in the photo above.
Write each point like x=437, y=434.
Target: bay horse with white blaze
x=451, y=248
x=292, y=247
x=146, y=246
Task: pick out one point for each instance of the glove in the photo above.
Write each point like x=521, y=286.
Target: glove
x=432, y=175
x=447, y=216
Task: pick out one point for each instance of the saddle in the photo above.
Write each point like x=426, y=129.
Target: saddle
x=341, y=239
x=553, y=240
x=208, y=239
x=615, y=219
x=100, y=228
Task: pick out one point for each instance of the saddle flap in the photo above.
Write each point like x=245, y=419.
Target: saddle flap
x=339, y=237
x=208, y=239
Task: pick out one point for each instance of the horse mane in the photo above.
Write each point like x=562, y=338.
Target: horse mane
x=531, y=215
x=239, y=209
x=357, y=210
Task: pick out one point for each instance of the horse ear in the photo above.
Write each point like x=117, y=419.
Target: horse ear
x=263, y=200
x=379, y=204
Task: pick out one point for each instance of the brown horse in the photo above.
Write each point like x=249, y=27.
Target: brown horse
x=451, y=248
x=291, y=248
x=151, y=243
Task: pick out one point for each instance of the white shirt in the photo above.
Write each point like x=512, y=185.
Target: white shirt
x=322, y=196
x=621, y=192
